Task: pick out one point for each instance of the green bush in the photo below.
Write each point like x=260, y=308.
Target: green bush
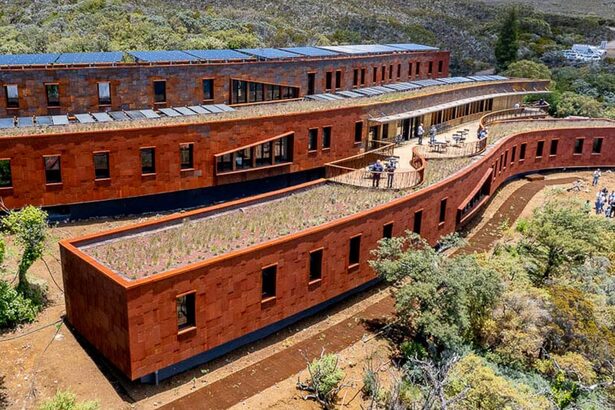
x=66, y=400
x=15, y=308
x=325, y=377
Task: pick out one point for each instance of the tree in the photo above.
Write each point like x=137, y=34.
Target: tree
x=562, y=234
x=528, y=69
x=441, y=301
x=574, y=104
x=507, y=45
x=29, y=225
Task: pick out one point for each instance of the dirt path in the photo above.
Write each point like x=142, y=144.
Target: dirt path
x=251, y=380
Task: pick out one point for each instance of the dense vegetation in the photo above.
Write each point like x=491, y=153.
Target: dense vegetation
x=468, y=28
x=529, y=326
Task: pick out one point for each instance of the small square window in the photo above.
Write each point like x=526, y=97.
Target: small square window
x=387, y=230
x=53, y=172
x=326, y=137
x=208, y=89
x=315, y=265
x=12, y=96
x=160, y=91
x=101, y=165
x=578, y=145
x=354, y=251
x=186, y=156
x=53, y=95
x=268, y=276
x=6, y=179
x=148, y=161
x=104, y=93
x=313, y=139
x=186, y=311
x=597, y=146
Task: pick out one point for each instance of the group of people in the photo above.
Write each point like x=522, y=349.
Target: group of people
x=605, y=201
x=420, y=131
x=379, y=167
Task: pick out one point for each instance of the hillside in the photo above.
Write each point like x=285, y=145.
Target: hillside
x=465, y=27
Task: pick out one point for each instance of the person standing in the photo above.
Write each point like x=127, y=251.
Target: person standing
x=419, y=133
x=597, y=175
x=376, y=171
x=390, y=173
x=432, y=134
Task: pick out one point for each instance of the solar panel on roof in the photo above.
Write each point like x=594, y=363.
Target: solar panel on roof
x=6, y=123
x=361, y=49
x=349, y=94
x=150, y=114
x=225, y=107
x=28, y=59
x=383, y=89
x=427, y=83
x=102, y=117
x=198, y=109
x=25, y=122
x=85, y=118
x=59, y=119
x=184, y=110
x=135, y=115
x=311, y=51
x=162, y=56
x=90, y=58
x=218, y=55
x=44, y=120
x=169, y=112
x=212, y=108
x=119, y=115
x=268, y=52
x=412, y=47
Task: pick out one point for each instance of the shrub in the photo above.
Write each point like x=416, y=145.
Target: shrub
x=15, y=308
x=325, y=379
x=66, y=400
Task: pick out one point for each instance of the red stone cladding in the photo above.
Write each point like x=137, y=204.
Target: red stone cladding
x=131, y=84
x=76, y=149
x=228, y=288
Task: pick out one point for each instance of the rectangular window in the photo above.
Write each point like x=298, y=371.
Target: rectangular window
x=53, y=95
x=418, y=221
x=553, y=149
x=208, y=89
x=240, y=92
x=362, y=76
x=398, y=71
x=104, y=93
x=6, y=179
x=148, y=161
x=383, y=74
x=311, y=83
x=430, y=69
x=578, y=146
x=315, y=265
x=375, y=75
x=186, y=311
x=160, y=91
x=501, y=162
x=243, y=159
x=263, y=154
x=225, y=163
x=505, y=159
x=440, y=66
x=410, y=70
x=418, y=68
x=53, y=171
x=354, y=251
x=326, y=137
x=355, y=77
x=358, y=131
x=522, y=152
x=443, y=210
x=312, y=139
x=328, y=81
x=12, y=96
x=513, y=154
x=391, y=72
x=338, y=79
x=101, y=165
x=268, y=278
x=540, y=148
x=597, y=146
x=387, y=230
x=281, y=150
x=186, y=156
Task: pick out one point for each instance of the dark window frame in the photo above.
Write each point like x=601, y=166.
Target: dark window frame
x=52, y=101
x=326, y=137
x=553, y=146
x=329, y=81
x=52, y=176
x=315, y=265
x=354, y=251
x=148, y=170
x=157, y=93
x=540, y=148
x=358, y=132
x=338, y=79
x=442, y=215
x=101, y=173
x=185, y=305
x=208, y=95
x=597, y=144
x=417, y=222
x=269, y=278
x=387, y=230
x=6, y=179
x=102, y=100
x=522, y=151
x=578, y=148
x=11, y=102
x=312, y=139
x=189, y=164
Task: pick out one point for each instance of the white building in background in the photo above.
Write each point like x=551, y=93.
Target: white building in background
x=585, y=52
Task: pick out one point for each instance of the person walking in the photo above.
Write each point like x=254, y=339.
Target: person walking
x=596, y=178
x=432, y=134
x=419, y=133
x=390, y=173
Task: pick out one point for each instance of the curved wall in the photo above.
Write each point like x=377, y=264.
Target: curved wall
x=228, y=288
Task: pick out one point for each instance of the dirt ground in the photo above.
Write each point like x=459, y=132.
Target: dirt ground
x=38, y=359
